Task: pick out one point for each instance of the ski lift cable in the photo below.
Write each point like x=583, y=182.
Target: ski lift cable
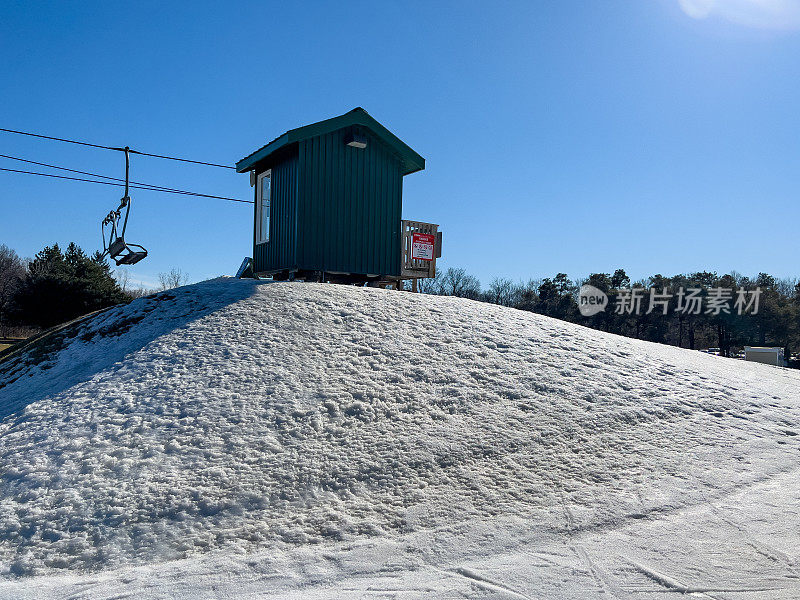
x=58, y=139
x=139, y=187
x=41, y=164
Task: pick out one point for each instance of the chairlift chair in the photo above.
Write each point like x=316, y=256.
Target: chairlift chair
x=125, y=254
x=121, y=252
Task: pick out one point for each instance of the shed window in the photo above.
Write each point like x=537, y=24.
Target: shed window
x=262, y=207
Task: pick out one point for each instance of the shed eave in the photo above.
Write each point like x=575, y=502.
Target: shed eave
x=408, y=169
x=248, y=162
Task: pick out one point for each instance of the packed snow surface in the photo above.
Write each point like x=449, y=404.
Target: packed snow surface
x=239, y=439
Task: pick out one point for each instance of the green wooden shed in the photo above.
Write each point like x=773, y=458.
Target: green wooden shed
x=328, y=201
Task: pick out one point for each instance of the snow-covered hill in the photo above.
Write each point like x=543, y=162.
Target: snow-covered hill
x=311, y=439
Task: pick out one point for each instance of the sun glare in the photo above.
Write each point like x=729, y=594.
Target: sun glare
x=765, y=14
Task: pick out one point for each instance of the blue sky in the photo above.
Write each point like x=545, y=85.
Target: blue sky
x=657, y=136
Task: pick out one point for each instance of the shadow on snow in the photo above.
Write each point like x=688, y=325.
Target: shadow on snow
x=80, y=351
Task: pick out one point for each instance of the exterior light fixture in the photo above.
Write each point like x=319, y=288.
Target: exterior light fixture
x=355, y=140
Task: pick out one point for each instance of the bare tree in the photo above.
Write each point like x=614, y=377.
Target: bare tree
x=525, y=295
x=138, y=292
x=126, y=284
x=12, y=274
x=123, y=278
x=501, y=291
x=457, y=282
x=786, y=286
x=174, y=278
x=431, y=285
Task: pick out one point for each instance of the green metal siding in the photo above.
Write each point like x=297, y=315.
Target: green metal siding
x=334, y=208
x=280, y=252
x=350, y=206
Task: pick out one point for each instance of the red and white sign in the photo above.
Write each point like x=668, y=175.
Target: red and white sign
x=422, y=246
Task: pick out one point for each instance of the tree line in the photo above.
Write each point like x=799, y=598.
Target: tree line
x=776, y=322
x=58, y=285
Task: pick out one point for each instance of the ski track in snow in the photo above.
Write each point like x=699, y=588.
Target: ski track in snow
x=239, y=438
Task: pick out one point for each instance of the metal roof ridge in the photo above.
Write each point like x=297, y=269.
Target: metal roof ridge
x=411, y=159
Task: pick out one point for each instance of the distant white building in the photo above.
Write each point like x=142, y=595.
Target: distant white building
x=768, y=356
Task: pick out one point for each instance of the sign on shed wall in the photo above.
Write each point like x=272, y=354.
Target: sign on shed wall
x=422, y=246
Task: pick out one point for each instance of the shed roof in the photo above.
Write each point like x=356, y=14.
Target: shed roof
x=411, y=161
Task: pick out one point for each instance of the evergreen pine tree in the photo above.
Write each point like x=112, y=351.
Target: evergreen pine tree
x=61, y=286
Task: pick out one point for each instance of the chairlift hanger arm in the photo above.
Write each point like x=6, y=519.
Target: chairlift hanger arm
x=126, y=200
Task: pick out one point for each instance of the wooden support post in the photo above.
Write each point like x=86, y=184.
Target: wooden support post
x=414, y=285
